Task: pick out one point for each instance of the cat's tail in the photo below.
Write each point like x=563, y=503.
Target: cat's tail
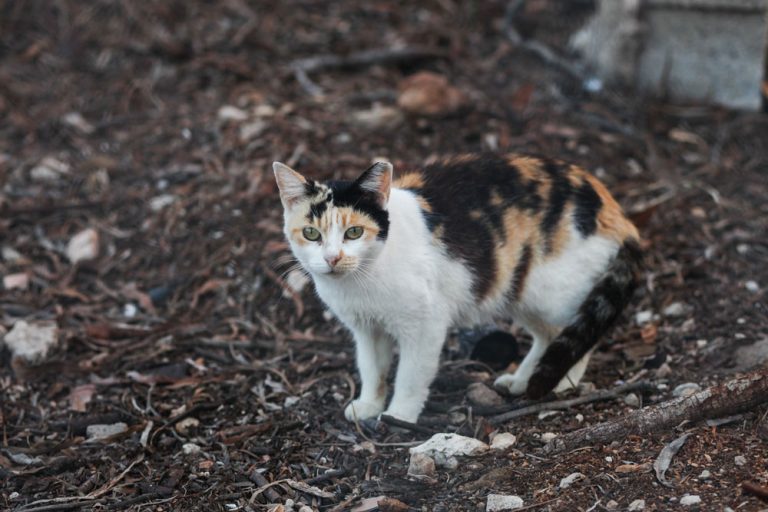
x=596, y=315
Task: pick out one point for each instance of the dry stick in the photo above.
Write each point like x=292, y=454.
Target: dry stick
x=735, y=396
x=757, y=490
x=259, y=479
x=302, y=67
x=597, y=396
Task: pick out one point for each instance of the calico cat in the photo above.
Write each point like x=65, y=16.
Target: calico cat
x=462, y=242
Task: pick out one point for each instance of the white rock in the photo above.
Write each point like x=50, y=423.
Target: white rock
x=548, y=436
x=378, y=117
x=49, y=169
x=190, y=448
x=705, y=475
x=32, y=341
x=690, y=499
x=230, y=113
x=157, y=203
x=637, y=505
x=632, y=400
x=83, y=246
x=571, y=479
x=580, y=418
x=444, y=448
x=24, y=460
x=686, y=389
x=752, y=286
x=421, y=467
x=643, y=317
x=14, y=495
x=612, y=505
x=77, y=121
x=97, y=432
x=10, y=254
x=740, y=460
x=500, y=502
x=503, y=441
x=18, y=281
x=306, y=508
x=675, y=309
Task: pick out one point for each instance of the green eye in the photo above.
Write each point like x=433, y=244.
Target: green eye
x=311, y=234
x=354, y=233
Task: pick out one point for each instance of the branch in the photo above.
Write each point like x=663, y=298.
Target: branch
x=735, y=396
x=597, y=396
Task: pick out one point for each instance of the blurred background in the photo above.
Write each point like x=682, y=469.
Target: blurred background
x=144, y=272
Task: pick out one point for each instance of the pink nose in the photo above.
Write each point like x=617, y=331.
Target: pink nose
x=333, y=260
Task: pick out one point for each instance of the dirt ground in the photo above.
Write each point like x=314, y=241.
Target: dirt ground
x=154, y=124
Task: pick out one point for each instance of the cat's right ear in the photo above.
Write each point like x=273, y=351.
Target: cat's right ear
x=292, y=185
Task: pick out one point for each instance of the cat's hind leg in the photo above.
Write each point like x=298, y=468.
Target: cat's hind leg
x=374, y=352
x=516, y=383
x=574, y=376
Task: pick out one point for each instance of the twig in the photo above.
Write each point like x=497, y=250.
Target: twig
x=259, y=479
x=597, y=396
x=328, y=475
x=385, y=56
x=735, y=396
x=758, y=490
x=394, y=422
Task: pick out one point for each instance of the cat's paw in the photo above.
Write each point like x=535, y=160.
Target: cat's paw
x=359, y=410
x=511, y=383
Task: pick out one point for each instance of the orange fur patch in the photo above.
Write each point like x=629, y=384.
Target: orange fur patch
x=410, y=180
x=611, y=221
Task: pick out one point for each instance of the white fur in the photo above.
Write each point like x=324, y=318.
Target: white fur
x=408, y=291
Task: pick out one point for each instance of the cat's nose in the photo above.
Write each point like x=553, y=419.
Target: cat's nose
x=333, y=260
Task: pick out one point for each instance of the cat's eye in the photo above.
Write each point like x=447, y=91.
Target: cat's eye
x=311, y=234
x=354, y=233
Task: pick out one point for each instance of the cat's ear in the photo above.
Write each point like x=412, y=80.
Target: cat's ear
x=377, y=179
x=292, y=185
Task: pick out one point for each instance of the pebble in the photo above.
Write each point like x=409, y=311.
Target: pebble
x=83, y=246
x=231, y=113
x=675, y=309
x=580, y=418
x=503, y=441
x=480, y=394
x=705, y=475
x=97, y=432
x=31, y=341
x=379, y=116
x=17, y=281
x=548, y=436
x=740, y=460
x=421, y=467
x=190, y=448
x=14, y=495
x=500, y=502
x=752, y=286
x=612, y=505
x=690, y=499
x=632, y=400
x=157, y=203
x=444, y=448
x=643, y=317
x=305, y=508
x=548, y=414
x=637, y=505
x=686, y=389
x=571, y=479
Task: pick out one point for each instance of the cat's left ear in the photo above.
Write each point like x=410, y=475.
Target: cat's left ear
x=377, y=179
x=292, y=185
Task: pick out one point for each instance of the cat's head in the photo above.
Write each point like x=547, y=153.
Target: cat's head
x=335, y=227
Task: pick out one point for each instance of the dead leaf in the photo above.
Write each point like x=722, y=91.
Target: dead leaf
x=665, y=458
x=83, y=246
x=80, y=396
x=310, y=489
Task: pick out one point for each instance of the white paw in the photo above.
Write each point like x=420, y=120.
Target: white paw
x=513, y=384
x=360, y=410
x=402, y=414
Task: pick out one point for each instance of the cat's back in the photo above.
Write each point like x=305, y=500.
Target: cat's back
x=503, y=214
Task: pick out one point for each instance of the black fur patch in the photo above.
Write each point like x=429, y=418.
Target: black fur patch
x=348, y=193
x=520, y=274
x=449, y=185
x=559, y=193
x=588, y=205
x=597, y=314
x=316, y=210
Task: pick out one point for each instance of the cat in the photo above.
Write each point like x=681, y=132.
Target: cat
x=461, y=242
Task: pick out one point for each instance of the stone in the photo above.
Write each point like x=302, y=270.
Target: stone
x=740, y=460
x=612, y=505
x=752, y=355
x=571, y=479
x=636, y=505
x=503, y=440
x=675, y=309
x=32, y=340
x=501, y=502
x=17, y=281
x=83, y=246
x=377, y=117
x=444, y=448
x=231, y=113
x=157, y=203
x=421, y=467
x=690, y=500
x=752, y=286
x=480, y=394
x=643, y=317
x=98, y=432
x=632, y=400
x=548, y=436
x=686, y=389
x=705, y=475
x=190, y=448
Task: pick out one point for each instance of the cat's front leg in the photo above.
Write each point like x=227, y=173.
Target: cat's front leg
x=416, y=369
x=374, y=356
